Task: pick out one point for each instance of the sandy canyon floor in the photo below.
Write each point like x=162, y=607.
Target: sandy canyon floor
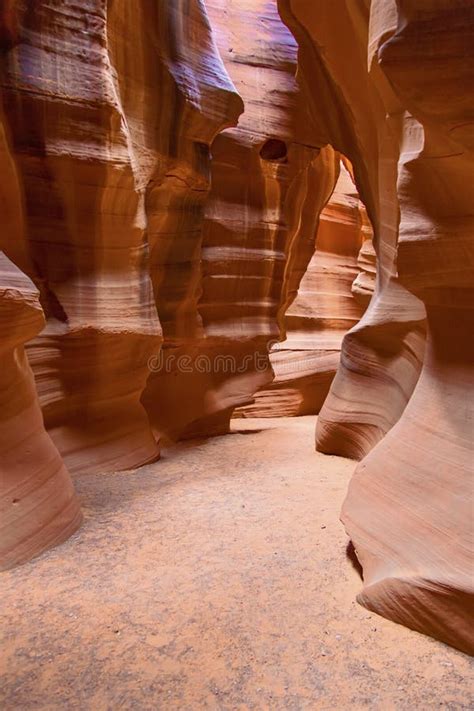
x=216, y=578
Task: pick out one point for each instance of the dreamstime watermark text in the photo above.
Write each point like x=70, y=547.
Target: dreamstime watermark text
x=167, y=361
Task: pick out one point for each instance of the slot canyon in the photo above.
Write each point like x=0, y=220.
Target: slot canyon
x=236, y=346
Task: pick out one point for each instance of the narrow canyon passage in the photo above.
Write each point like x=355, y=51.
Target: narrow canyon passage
x=216, y=578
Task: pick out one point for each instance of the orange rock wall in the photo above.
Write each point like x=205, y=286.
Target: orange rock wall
x=402, y=116
x=332, y=297
x=268, y=184
x=163, y=177
x=140, y=241
x=100, y=133
x=382, y=355
x=38, y=507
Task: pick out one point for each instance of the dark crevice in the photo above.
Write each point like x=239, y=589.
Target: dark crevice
x=274, y=150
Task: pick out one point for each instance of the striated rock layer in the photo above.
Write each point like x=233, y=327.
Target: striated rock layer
x=129, y=249
x=331, y=298
x=38, y=507
x=93, y=127
x=106, y=140
x=381, y=356
x=84, y=235
x=165, y=245
x=404, y=119
x=193, y=99
x=269, y=182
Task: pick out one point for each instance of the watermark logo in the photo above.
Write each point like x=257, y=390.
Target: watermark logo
x=229, y=364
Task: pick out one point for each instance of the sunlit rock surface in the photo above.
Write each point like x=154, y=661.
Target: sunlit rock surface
x=269, y=182
x=332, y=297
x=38, y=507
x=403, y=115
x=164, y=168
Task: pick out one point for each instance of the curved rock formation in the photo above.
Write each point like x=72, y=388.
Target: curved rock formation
x=85, y=235
x=268, y=184
x=363, y=286
x=98, y=129
x=381, y=356
x=145, y=219
x=330, y=301
x=184, y=102
x=38, y=507
x=408, y=510
x=421, y=573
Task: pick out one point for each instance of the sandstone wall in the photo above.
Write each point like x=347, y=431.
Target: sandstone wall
x=138, y=265
x=38, y=507
x=103, y=104
x=332, y=296
x=110, y=110
x=269, y=183
x=145, y=226
x=403, y=116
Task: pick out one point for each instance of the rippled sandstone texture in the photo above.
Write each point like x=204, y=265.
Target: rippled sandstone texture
x=406, y=124
x=38, y=507
x=90, y=128
x=137, y=235
x=128, y=248
x=382, y=355
x=106, y=140
x=269, y=183
x=332, y=297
